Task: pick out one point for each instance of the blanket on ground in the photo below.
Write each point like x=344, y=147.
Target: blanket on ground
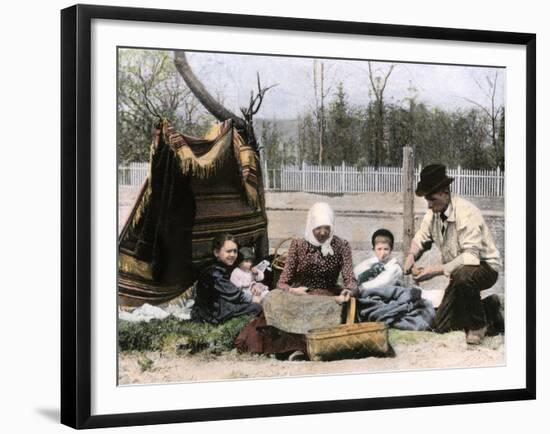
x=397, y=306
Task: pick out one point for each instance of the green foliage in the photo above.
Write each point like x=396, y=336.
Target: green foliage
x=308, y=140
x=340, y=134
x=270, y=139
x=372, y=133
x=145, y=363
x=499, y=151
x=280, y=148
x=149, y=87
x=409, y=337
x=173, y=334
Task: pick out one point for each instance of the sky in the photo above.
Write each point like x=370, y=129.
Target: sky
x=233, y=76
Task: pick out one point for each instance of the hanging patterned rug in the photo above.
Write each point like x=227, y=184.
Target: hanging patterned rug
x=195, y=190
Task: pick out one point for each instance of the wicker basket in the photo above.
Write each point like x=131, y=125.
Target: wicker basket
x=348, y=340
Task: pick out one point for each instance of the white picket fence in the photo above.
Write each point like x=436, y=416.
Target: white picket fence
x=347, y=179
x=133, y=174
x=350, y=179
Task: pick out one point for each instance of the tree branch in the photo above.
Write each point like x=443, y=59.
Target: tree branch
x=479, y=106
x=216, y=109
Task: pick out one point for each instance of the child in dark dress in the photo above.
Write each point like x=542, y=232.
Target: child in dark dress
x=217, y=299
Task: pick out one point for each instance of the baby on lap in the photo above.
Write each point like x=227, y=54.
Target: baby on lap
x=248, y=278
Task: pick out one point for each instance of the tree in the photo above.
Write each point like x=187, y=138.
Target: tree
x=149, y=88
x=307, y=141
x=320, y=93
x=340, y=129
x=398, y=120
x=493, y=113
x=500, y=143
x=470, y=130
x=270, y=139
x=378, y=86
x=244, y=124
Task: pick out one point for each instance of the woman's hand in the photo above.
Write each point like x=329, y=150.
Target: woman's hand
x=256, y=290
x=344, y=296
x=299, y=290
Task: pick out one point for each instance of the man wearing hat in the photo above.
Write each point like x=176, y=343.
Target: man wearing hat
x=469, y=255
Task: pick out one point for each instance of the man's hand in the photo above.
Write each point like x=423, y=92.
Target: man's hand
x=409, y=263
x=300, y=290
x=415, y=252
x=344, y=296
x=428, y=273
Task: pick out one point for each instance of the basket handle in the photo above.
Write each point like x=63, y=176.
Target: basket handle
x=275, y=253
x=351, y=311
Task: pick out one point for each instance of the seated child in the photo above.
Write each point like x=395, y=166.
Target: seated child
x=380, y=270
x=248, y=278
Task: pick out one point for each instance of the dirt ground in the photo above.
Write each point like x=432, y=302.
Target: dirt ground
x=414, y=351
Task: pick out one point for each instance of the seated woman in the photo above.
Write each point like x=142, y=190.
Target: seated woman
x=217, y=299
x=312, y=268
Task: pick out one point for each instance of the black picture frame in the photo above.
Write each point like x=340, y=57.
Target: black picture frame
x=76, y=211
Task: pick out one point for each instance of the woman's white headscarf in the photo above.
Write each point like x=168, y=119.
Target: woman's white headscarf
x=320, y=214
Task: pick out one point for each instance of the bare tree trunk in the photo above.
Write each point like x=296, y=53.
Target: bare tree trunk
x=322, y=132
x=198, y=89
x=380, y=131
x=378, y=86
x=492, y=112
x=320, y=95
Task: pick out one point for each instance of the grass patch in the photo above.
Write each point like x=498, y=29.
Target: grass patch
x=407, y=337
x=145, y=363
x=175, y=335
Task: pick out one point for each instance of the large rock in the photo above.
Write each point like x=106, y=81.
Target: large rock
x=301, y=313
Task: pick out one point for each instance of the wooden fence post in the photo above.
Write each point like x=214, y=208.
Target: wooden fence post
x=408, y=179
x=343, y=177
x=498, y=181
x=266, y=176
x=303, y=175
x=458, y=180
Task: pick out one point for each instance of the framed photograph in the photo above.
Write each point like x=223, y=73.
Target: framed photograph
x=254, y=205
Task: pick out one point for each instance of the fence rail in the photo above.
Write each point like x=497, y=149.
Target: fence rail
x=350, y=179
x=347, y=179
x=133, y=174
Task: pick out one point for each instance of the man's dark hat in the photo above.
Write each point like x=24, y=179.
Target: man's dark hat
x=382, y=233
x=246, y=254
x=432, y=179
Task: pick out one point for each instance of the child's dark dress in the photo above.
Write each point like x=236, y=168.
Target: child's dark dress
x=217, y=299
